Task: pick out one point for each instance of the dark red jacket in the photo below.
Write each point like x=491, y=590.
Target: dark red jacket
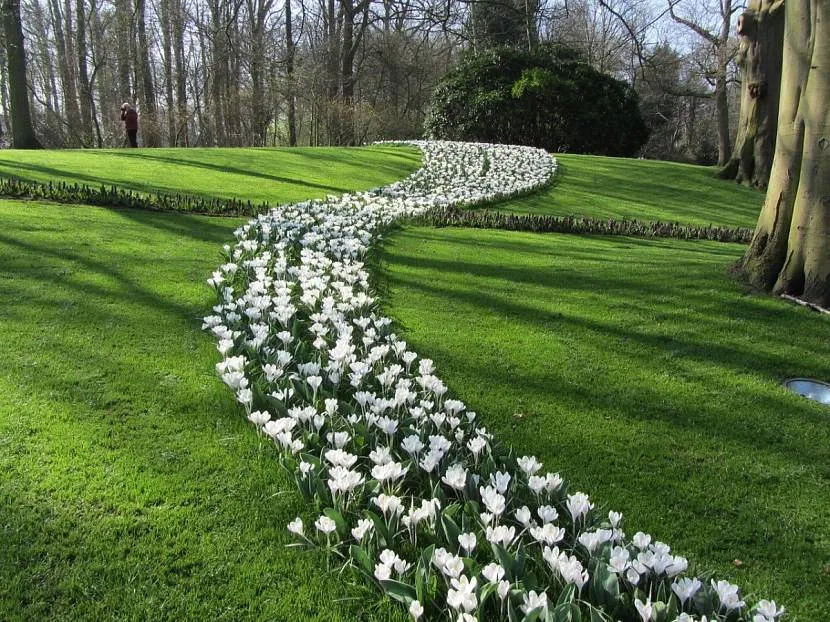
x=130, y=119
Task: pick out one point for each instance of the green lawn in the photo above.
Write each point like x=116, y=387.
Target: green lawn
x=131, y=488
x=273, y=175
x=645, y=190
x=649, y=378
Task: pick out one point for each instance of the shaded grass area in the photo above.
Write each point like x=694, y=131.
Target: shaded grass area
x=131, y=488
x=644, y=374
x=645, y=190
x=273, y=175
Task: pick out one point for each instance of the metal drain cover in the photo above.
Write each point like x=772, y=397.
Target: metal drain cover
x=815, y=390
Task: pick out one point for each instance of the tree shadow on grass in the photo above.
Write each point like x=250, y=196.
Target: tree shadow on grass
x=230, y=169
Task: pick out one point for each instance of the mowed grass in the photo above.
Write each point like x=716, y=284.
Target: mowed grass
x=646, y=376
x=645, y=190
x=131, y=488
x=273, y=175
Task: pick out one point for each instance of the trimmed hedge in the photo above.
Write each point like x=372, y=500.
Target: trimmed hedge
x=113, y=196
x=485, y=219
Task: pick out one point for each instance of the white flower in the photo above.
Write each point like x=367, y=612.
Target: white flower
x=578, y=505
x=338, y=457
x=467, y=542
x=503, y=589
x=388, y=504
x=523, y=515
x=382, y=572
x=547, y=513
x=364, y=526
x=548, y=533
x=494, y=502
x=453, y=566
x=529, y=464
x=645, y=609
x=501, y=535
x=728, y=595
x=475, y=445
x=325, y=524
x=416, y=610
x=390, y=472
x=412, y=445
x=769, y=609
x=259, y=418
x=685, y=588
x=536, y=484
x=533, y=601
x=619, y=560
x=641, y=540
x=493, y=572
x=500, y=481
x=462, y=595
x=455, y=477
x=296, y=526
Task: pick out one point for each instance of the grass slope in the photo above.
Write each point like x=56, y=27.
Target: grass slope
x=130, y=486
x=645, y=190
x=643, y=373
x=273, y=175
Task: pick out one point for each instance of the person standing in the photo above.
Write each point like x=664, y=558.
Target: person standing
x=129, y=116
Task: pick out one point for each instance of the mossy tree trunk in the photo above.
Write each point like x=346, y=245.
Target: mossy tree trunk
x=790, y=251
x=761, y=32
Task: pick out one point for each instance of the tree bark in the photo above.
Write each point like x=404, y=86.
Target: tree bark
x=124, y=32
x=84, y=92
x=23, y=134
x=181, y=75
x=167, y=43
x=790, y=251
x=761, y=29
x=148, y=129
x=289, y=75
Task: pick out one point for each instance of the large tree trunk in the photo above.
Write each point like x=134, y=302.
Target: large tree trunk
x=761, y=29
x=84, y=91
x=149, y=122
x=68, y=90
x=23, y=134
x=181, y=75
x=289, y=75
x=790, y=251
x=167, y=44
x=124, y=32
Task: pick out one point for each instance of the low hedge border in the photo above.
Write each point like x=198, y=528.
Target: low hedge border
x=486, y=219
x=113, y=196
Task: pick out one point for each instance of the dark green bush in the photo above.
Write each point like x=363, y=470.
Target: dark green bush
x=545, y=98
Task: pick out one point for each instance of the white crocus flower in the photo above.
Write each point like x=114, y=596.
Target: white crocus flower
x=685, y=588
x=467, y=542
x=532, y=601
x=325, y=524
x=493, y=572
x=455, y=477
x=296, y=526
x=645, y=609
x=529, y=464
x=769, y=609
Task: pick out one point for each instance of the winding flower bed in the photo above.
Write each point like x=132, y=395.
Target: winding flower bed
x=407, y=486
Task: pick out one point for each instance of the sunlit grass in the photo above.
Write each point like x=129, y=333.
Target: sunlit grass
x=273, y=175
x=648, y=377
x=646, y=190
